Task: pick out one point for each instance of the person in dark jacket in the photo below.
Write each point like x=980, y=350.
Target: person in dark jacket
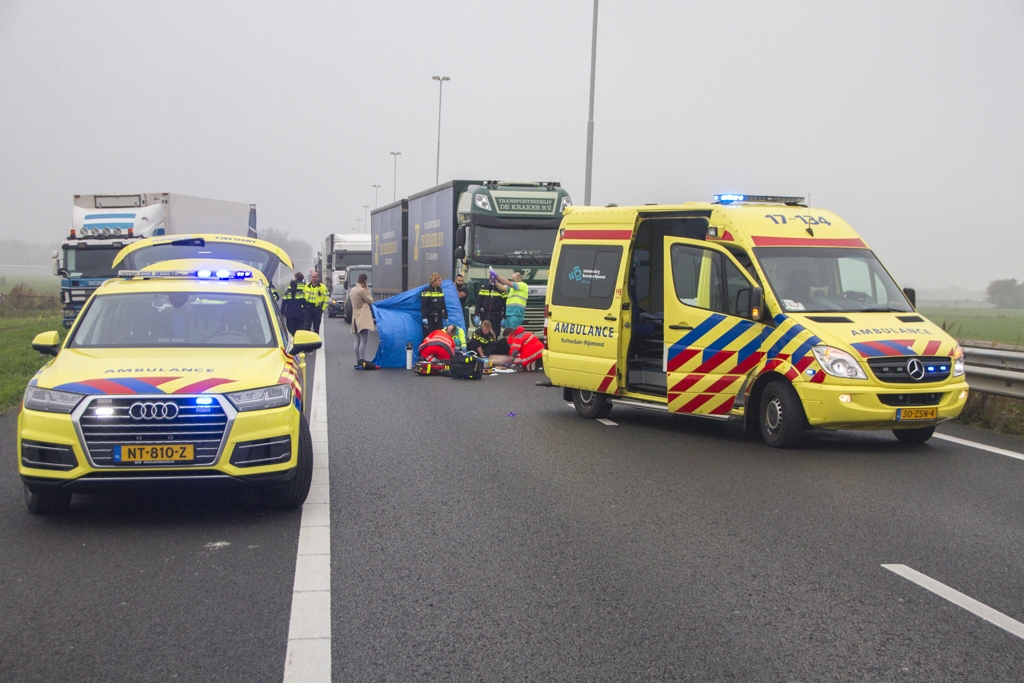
x=463, y=292
x=482, y=341
x=490, y=305
x=432, y=307
x=293, y=304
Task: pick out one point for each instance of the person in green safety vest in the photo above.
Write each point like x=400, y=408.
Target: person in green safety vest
x=316, y=301
x=515, y=302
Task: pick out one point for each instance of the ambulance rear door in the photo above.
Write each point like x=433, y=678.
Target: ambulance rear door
x=711, y=342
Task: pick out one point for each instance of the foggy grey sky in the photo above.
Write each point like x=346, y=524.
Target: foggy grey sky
x=903, y=117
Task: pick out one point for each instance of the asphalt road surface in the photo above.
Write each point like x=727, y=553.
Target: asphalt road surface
x=483, y=531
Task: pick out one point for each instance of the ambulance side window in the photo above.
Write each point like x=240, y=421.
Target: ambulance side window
x=707, y=279
x=587, y=276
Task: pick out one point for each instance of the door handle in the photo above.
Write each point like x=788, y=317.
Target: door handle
x=680, y=327
x=610, y=317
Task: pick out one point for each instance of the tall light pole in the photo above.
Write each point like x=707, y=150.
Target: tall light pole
x=394, y=183
x=375, y=202
x=359, y=228
x=366, y=207
x=590, y=120
x=440, y=88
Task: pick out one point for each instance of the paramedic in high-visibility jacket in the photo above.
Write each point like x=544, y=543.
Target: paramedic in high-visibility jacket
x=432, y=307
x=458, y=337
x=525, y=348
x=516, y=293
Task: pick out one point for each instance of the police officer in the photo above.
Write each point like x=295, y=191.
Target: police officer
x=490, y=305
x=432, y=307
x=316, y=301
x=293, y=304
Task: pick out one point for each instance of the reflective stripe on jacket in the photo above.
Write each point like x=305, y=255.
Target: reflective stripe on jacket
x=524, y=346
x=432, y=303
x=316, y=295
x=490, y=302
x=517, y=294
x=437, y=346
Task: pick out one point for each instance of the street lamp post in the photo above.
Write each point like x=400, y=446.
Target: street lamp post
x=375, y=202
x=366, y=207
x=394, y=182
x=359, y=227
x=440, y=88
x=590, y=120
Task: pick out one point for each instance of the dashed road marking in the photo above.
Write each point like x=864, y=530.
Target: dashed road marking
x=607, y=423
x=980, y=446
x=957, y=598
x=308, y=659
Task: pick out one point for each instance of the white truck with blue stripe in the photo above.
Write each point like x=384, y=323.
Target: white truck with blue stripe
x=102, y=225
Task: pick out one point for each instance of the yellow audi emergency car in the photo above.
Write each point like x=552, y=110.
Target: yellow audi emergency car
x=178, y=374
x=753, y=308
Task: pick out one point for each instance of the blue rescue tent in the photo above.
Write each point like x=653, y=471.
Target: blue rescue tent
x=399, y=323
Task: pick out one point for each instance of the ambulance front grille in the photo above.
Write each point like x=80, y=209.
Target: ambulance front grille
x=203, y=426
x=894, y=369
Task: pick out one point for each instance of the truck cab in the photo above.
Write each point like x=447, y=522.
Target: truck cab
x=754, y=308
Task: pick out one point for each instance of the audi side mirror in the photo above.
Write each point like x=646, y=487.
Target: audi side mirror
x=47, y=343
x=305, y=341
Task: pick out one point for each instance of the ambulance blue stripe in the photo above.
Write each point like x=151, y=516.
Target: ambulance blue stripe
x=138, y=386
x=804, y=348
x=729, y=337
x=868, y=351
x=789, y=335
x=108, y=216
x=748, y=350
x=78, y=388
x=695, y=334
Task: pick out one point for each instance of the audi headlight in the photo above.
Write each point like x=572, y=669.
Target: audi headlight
x=838, y=363
x=51, y=401
x=261, y=399
x=959, y=362
x=482, y=201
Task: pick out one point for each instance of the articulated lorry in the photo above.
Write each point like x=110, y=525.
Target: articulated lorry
x=465, y=227
x=341, y=251
x=102, y=225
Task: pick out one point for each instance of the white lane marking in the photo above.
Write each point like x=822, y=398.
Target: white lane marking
x=957, y=598
x=980, y=446
x=308, y=659
x=571, y=406
x=607, y=423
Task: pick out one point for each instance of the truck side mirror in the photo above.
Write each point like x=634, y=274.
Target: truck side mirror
x=911, y=295
x=756, y=304
x=56, y=262
x=460, y=252
x=460, y=236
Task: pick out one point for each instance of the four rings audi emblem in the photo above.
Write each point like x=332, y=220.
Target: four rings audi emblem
x=915, y=368
x=153, y=411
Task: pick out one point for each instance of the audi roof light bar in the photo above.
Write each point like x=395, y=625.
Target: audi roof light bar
x=759, y=198
x=222, y=274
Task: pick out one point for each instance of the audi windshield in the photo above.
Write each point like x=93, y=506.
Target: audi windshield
x=252, y=256
x=822, y=280
x=174, y=319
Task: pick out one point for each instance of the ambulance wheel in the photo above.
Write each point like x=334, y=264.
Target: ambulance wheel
x=294, y=493
x=47, y=503
x=781, y=416
x=919, y=435
x=591, y=404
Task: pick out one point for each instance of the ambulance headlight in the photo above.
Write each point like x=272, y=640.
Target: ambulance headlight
x=261, y=399
x=482, y=201
x=51, y=401
x=959, y=362
x=838, y=363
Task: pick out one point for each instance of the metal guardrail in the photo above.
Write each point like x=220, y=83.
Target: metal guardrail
x=991, y=371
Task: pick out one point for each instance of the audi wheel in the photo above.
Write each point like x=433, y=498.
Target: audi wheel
x=294, y=493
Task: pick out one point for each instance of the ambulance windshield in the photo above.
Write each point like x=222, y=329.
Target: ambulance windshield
x=818, y=280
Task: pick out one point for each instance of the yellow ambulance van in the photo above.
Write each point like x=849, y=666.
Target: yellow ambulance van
x=751, y=308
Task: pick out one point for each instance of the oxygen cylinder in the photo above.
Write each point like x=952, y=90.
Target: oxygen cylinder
x=408, y=356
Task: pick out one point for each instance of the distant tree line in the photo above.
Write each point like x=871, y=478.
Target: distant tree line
x=299, y=250
x=1005, y=293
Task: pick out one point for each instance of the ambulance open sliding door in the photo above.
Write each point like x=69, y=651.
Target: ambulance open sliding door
x=710, y=342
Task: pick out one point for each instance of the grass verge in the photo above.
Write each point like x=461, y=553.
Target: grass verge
x=20, y=362
x=982, y=324
x=1000, y=414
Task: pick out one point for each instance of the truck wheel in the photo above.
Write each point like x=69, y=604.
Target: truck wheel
x=781, y=415
x=591, y=404
x=47, y=503
x=294, y=493
x=919, y=435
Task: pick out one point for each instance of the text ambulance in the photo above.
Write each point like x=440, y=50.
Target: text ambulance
x=751, y=307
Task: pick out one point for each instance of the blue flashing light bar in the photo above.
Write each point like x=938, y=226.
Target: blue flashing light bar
x=759, y=198
x=197, y=274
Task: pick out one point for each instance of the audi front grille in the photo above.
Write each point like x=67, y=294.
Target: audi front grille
x=106, y=422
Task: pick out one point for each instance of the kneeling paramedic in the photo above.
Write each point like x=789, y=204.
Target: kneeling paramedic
x=437, y=347
x=525, y=348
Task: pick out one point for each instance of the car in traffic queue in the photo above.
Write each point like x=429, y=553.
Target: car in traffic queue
x=179, y=374
x=757, y=309
x=336, y=304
